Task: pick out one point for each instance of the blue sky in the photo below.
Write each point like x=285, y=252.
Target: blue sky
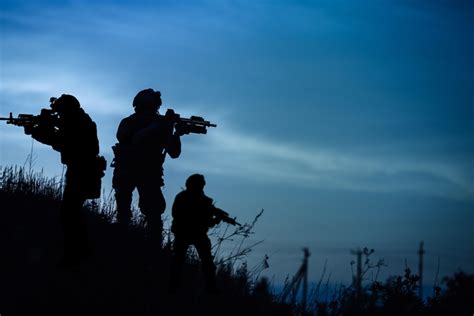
x=350, y=122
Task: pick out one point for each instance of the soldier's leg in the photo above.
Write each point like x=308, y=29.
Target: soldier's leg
x=152, y=204
x=123, y=187
x=203, y=247
x=180, y=247
x=73, y=223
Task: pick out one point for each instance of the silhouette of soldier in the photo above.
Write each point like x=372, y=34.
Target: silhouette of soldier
x=193, y=214
x=144, y=140
x=73, y=133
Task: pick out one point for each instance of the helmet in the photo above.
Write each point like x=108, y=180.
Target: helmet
x=195, y=182
x=65, y=103
x=147, y=98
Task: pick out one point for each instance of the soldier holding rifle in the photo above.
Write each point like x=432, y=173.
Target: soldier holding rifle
x=193, y=214
x=145, y=138
x=69, y=130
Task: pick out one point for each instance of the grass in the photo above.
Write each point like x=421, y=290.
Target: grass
x=128, y=275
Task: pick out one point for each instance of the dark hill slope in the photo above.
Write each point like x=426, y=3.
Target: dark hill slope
x=125, y=275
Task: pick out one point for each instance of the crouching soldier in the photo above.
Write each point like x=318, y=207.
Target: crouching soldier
x=193, y=214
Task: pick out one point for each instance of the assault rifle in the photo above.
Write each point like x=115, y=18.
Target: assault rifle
x=47, y=117
x=223, y=216
x=194, y=124
x=21, y=120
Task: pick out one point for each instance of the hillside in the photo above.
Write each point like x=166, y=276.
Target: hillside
x=128, y=275
x=125, y=275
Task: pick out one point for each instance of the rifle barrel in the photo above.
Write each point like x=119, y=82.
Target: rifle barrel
x=10, y=118
x=197, y=122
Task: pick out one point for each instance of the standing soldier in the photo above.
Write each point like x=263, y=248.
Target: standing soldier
x=72, y=132
x=193, y=214
x=144, y=139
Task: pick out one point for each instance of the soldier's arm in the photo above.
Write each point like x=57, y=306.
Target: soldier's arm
x=125, y=131
x=148, y=132
x=47, y=136
x=178, y=205
x=174, y=146
x=162, y=132
x=94, y=138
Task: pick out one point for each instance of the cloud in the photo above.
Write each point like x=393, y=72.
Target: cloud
x=104, y=67
x=231, y=153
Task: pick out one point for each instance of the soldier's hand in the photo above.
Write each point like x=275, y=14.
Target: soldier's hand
x=215, y=221
x=179, y=130
x=28, y=129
